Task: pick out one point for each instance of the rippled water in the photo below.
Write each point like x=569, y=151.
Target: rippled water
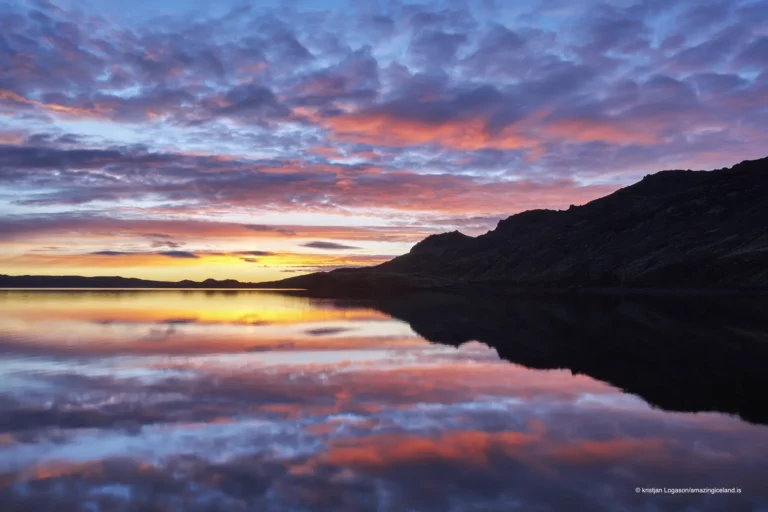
x=213, y=400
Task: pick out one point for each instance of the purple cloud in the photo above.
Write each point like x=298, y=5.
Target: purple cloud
x=170, y=254
x=179, y=254
x=328, y=245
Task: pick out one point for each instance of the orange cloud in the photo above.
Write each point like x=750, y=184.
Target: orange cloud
x=464, y=447
x=446, y=193
x=601, y=130
x=60, y=468
x=461, y=381
x=388, y=130
x=110, y=228
x=478, y=448
x=590, y=452
x=10, y=138
x=55, y=108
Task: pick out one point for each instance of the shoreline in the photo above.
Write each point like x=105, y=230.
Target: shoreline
x=468, y=289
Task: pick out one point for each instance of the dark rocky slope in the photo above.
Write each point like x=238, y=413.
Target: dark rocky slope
x=673, y=229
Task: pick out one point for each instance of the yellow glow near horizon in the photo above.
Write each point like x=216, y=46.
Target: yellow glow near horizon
x=190, y=322
x=242, y=307
x=243, y=267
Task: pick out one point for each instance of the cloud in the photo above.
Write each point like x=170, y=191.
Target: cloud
x=610, y=131
x=111, y=253
x=327, y=331
x=167, y=243
x=354, y=79
x=754, y=54
x=169, y=254
x=250, y=103
x=328, y=245
x=435, y=48
x=381, y=127
x=275, y=229
x=179, y=254
x=30, y=227
x=256, y=253
x=496, y=52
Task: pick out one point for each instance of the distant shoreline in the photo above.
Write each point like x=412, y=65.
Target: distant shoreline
x=341, y=290
x=135, y=288
x=117, y=282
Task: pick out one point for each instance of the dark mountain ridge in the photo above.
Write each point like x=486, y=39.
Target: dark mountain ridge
x=672, y=229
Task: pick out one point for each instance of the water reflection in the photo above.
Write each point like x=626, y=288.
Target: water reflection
x=136, y=322
x=170, y=400
x=682, y=354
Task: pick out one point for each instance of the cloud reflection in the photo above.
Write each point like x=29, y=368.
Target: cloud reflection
x=369, y=425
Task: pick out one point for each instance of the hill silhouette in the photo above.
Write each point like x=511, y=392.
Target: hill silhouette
x=673, y=229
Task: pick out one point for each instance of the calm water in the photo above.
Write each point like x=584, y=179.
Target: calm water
x=211, y=400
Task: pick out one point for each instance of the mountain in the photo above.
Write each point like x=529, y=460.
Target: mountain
x=673, y=229
x=678, y=353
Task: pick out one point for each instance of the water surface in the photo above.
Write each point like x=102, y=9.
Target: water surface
x=243, y=400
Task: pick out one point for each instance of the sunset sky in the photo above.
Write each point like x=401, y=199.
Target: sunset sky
x=187, y=139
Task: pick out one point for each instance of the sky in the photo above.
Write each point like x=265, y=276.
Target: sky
x=173, y=139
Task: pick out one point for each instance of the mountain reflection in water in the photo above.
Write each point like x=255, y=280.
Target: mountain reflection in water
x=194, y=400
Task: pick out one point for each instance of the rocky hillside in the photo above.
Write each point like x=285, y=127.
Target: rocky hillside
x=691, y=229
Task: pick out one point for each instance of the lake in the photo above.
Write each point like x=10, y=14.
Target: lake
x=254, y=400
